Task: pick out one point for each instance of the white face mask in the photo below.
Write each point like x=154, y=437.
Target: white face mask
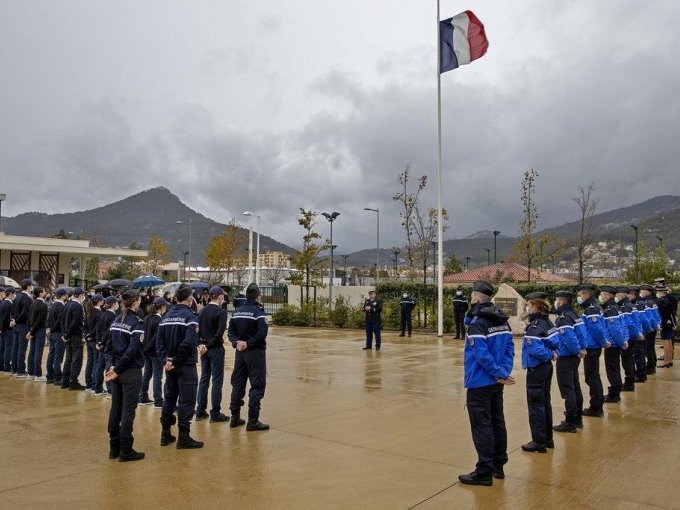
x=617, y=299
x=459, y=293
x=580, y=300
x=405, y=296
x=528, y=310
x=601, y=299
x=556, y=304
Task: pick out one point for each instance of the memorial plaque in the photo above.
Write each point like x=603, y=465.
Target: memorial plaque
x=508, y=305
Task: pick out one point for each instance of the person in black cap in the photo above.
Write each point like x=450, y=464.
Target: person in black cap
x=460, y=307
x=539, y=349
x=489, y=354
x=177, y=343
x=153, y=366
x=248, y=335
x=668, y=323
x=20, y=308
x=37, y=327
x=239, y=299
x=596, y=340
x=74, y=326
x=616, y=333
x=7, y=329
x=373, y=324
x=125, y=375
x=652, y=312
x=55, y=355
x=103, y=346
x=632, y=333
x=91, y=339
x=212, y=323
x=2, y=336
x=639, y=346
x=406, y=306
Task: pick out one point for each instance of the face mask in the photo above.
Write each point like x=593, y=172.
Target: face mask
x=459, y=293
x=601, y=299
x=617, y=299
x=657, y=296
x=579, y=300
x=555, y=305
x=528, y=310
x=405, y=296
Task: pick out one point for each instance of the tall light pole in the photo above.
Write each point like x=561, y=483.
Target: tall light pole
x=345, y=257
x=3, y=197
x=331, y=218
x=185, y=263
x=495, y=251
x=637, y=252
x=396, y=252
x=377, y=244
x=178, y=222
x=467, y=263
x=250, y=248
x=488, y=256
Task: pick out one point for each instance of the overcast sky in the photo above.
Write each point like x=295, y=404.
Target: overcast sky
x=271, y=106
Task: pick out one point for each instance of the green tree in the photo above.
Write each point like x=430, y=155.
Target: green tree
x=307, y=259
x=530, y=220
x=453, y=265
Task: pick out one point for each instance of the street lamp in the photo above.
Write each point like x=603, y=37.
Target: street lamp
x=345, y=257
x=488, y=256
x=178, y=222
x=377, y=245
x=396, y=252
x=331, y=218
x=250, y=249
x=467, y=263
x=637, y=252
x=495, y=251
x=184, y=266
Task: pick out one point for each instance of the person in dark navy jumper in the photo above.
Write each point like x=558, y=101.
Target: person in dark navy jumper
x=596, y=340
x=489, y=354
x=20, y=308
x=373, y=323
x=539, y=349
x=177, y=343
x=37, y=327
x=212, y=324
x=4, y=310
x=55, y=355
x=460, y=307
x=74, y=326
x=7, y=329
x=126, y=333
x=640, y=345
x=632, y=333
x=248, y=335
x=570, y=352
x=652, y=312
x=616, y=332
x=105, y=360
x=91, y=339
x=239, y=299
x=667, y=314
x=153, y=366
x=406, y=305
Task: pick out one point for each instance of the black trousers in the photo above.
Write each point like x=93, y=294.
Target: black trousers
x=612, y=365
x=73, y=361
x=627, y=362
x=539, y=380
x=640, y=359
x=406, y=323
x=570, y=387
x=179, y=394
x=460, y=324
x=248, y=366
x=487, y=422
x=650, y=343
x=591, y=369
x=124, y=398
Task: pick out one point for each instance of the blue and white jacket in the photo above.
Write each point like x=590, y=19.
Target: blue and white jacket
x=571, y=338
x=540, y=341
x=595, y=327
x=615, y=323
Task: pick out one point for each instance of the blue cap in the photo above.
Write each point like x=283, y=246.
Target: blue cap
x=60, y=292
x=216, y=291
x=10, y=290
x=78, y=291
x=97, y=297
x=159, y=301
x=111, y=300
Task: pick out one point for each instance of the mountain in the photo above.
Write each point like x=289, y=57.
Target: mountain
x=134, y=219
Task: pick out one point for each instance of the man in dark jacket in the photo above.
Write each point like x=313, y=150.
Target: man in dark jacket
x=212, y=323
x=406, y=305
x=460, y=307
x=37, y=327
x=6, y=329
x=373, y=308
x=20, y=308
x=73, y=330
x=55, y=354
x=153, y=367
x=91, y=339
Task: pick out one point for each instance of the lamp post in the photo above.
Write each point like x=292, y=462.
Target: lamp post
x=344, y=258
x=495, y=251
x=637, y=252
x=660, y=239
x=377, y=244
x=488, y=256
x=3, y=197
x=250, y=249
x=396, y=252
x=178, y=222
x=184, y=266
x=541, y=243
x=331, y=218
x=552, y=259
x=467, y=263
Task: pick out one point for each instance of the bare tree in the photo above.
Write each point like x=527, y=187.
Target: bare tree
x=276, y=273
x=587, y=204
x=408, y=202
x=425, y=228
x=530, y=220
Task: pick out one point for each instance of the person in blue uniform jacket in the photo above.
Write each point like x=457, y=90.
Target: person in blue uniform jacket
x=666, y=306
x=177, y=344
x=652, y=312
x=616, y=332
x=373, y=322
x=596, y=340
x=570, y=352
x=125, y=375
x=489, y=354
x=406, y=306
x=640, y=345
x=91, y=339
x=539, y=348
x=632, y=333
x=460, y=306
x=248, y=335
x=239, y=299
x=153, y=366
x=103, y=345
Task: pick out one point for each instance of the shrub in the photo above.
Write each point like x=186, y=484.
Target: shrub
x=340, y=315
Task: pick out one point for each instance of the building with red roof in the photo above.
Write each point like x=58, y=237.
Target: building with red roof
x=505, y=272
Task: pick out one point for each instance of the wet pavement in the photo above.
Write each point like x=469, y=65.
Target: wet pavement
x=350, y=429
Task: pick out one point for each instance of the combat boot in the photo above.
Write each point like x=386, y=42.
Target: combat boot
x=127, y=454
x=628, y=386
x=185, y=442
x=255, y=424
x=476, y=479
x=566, y=426
x=589, y=411
x=236, y=420
x=167, y=437
x=114, y=449
x=613, y=396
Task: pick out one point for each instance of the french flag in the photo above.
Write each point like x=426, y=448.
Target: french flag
x=462, y=40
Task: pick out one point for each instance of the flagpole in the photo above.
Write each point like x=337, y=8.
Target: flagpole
x=440, y=219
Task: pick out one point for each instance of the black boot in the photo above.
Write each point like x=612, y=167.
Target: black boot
x=255, y=424
x=589, y=411
x=127, y=454
x=167, y=437
x=114, y=449
x=567, y=425
x=236, y=420
x=185, y=442
x=534, y=447
x=613, y=396
x=578, y=422
x=628, y=386
x=476, y=479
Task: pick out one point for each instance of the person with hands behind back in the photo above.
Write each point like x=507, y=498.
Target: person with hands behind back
x=489, y=353
x=125, y=374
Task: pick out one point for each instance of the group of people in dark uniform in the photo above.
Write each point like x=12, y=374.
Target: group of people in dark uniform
x=622, y=322
x=127, y=347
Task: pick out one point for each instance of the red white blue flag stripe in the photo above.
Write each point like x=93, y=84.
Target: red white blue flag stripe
x=462, y=40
